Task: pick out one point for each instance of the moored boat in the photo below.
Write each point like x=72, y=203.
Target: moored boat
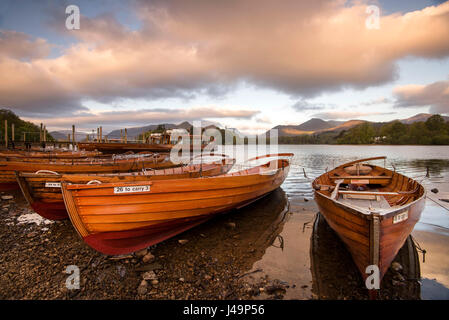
x=48, y=154
x=42, y=189
x=117, y=218
x=8, y=168
x=372, y=209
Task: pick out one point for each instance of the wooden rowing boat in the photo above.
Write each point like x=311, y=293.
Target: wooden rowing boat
x=42, y=189
x=48, y=154
x=335, y=276
x=118, y=218
x=118, y=147
x=373, y=213
x=8, y=168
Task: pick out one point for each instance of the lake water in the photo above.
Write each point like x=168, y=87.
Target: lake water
x=295, y=263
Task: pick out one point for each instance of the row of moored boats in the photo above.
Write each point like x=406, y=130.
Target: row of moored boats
x=122, y=203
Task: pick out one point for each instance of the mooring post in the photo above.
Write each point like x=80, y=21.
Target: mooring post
x=12, y=132
x=126, y=135
x=40, y=134
x=73, y=136
x=6, y=133
x=121, y=135
x=45, y=134
x=101, y=134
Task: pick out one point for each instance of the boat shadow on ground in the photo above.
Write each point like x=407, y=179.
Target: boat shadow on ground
x=335, y=276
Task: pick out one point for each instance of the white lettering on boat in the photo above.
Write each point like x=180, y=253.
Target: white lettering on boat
x=52, y=185
x=131, y=189
x=400, y=217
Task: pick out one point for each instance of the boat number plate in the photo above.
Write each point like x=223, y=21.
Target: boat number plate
x=131, y=189
x=52, y=185
x=400, y=217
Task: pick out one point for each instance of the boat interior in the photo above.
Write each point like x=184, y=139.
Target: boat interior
x=367, y=187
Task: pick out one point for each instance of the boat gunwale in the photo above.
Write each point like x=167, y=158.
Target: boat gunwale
x=366, y=213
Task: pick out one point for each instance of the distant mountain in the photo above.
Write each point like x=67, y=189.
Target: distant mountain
x=315, y=125
x=62, y=135
x=420, y=117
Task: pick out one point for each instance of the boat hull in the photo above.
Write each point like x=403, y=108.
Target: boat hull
x=48, y=201
x=122, y=223
x=8, y=168
x=373, y=238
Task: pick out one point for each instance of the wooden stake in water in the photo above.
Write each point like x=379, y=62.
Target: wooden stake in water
x=73, y=136
x=12, y=131
x=6, y=133
x=126, y=135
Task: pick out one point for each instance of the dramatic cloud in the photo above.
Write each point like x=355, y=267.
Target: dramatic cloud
x=434, y=95
x=187, y=48
x=18, y=45
x=145, y=116
x=344, y=115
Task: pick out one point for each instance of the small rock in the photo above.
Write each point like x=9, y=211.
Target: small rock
x=231, y=225
x=261, y=289
x=141, y=253
x=149, y=275
x=399, y=277
x=7, y=197
x=397, y=283
x=306, y=200
x=181, y=279
x=202, y=235
x=31, y=234
x=147, y=258
x=434, y=190
x=396, y=266
x=183, y=241
x=154, y=282
x=142, y=289
x=207, y=277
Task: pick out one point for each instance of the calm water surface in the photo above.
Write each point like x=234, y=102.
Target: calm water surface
x=294, y=263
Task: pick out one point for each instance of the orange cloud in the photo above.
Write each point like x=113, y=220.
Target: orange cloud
x=206, y=47
x=434, y=95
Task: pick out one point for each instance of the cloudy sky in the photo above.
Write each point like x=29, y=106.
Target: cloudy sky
x=247, y=64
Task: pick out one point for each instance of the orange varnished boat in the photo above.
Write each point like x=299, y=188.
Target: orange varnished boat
x=8, y=168
x=118, y=218
x=42, y=190
x=372, y=209
x=120, y=147
x=48, y=154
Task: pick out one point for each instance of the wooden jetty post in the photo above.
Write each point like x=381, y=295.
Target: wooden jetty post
x=6, y=133
x=126, y=135
x=12, y=132
x=121, y=135
x=101, y=134
x=73, y=137
x=45, y=134
x=40, y=134
x=24, y=137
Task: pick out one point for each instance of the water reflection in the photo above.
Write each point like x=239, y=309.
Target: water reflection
x=292, y=263
x=335, y=276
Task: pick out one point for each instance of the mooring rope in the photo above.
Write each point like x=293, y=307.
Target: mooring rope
x=418, y=247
